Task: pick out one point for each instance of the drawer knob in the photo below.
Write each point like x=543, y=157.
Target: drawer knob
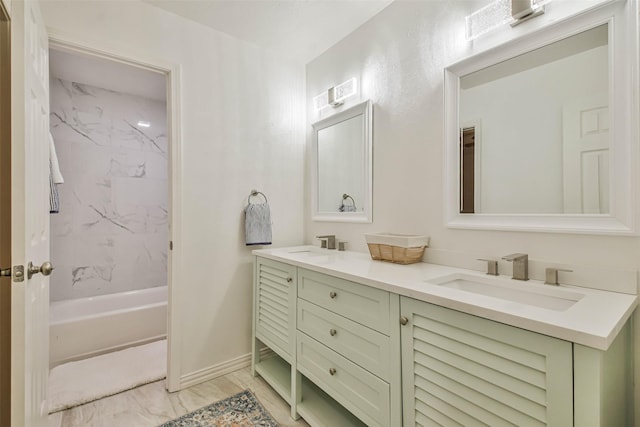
x=333, y=332
x=403, y=320
x=333, y=294
x=289, y=279
x=332, y=371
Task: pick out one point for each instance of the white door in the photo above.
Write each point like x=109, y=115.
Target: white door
x=29, y=214
x=586, y=156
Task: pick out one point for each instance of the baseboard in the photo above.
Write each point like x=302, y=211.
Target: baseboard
x=219, y=370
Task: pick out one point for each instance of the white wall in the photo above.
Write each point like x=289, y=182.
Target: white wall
x=242, y=116
x=399, y=56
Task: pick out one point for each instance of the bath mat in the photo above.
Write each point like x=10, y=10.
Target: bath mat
x=75, y=383
x=240, y=410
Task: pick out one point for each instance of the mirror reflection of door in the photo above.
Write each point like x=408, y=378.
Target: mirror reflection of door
x=586, y=155
x=467, y=169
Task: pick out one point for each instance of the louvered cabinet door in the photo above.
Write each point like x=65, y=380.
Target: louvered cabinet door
x=462, y=370
x=275, y=310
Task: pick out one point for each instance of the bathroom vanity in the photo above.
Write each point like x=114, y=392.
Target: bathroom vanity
x=349, y=341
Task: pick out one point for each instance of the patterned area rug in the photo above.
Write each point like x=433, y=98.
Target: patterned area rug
x=241, y=410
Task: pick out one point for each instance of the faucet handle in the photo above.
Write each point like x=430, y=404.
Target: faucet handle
x=551, y=275
x=492, y=266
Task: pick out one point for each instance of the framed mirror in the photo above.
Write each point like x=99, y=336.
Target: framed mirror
x=341, y=166
x=538, y=130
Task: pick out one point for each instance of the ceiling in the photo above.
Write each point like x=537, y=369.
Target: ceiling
x=297, y=29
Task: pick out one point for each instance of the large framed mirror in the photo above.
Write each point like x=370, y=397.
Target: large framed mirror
x=341, y=165
x=539, y=135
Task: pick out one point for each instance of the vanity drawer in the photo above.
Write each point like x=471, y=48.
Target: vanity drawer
x=358, y=390
x=366, y=347
x=363, y=304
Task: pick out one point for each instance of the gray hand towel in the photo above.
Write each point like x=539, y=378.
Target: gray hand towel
x=257, y=225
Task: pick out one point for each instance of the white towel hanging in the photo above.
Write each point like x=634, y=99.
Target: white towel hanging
x=56, y=175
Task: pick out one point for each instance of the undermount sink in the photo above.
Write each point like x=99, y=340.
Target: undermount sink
x=527, y=293
x=315, y=254
x=309, y=251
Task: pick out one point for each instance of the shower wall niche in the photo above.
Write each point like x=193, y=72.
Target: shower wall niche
x=111, y=234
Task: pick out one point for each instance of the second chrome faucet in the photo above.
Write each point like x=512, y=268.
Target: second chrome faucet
x=520, y=265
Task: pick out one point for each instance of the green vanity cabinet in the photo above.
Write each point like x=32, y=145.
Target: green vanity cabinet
x=335, y=346
x=274, y=328
x=345, y=354
x=459, y=369
x=349, y=345
x=603, y=383
x=275, y=306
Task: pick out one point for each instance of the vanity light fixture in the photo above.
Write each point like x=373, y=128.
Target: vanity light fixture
x=500, y=12
x=144, y=124
x=335, y=96
x=523, y=10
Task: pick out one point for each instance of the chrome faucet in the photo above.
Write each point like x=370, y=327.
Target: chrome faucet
x=520, y=265
x=328, y=241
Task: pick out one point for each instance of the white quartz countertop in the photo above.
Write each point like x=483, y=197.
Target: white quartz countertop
x=594, y=320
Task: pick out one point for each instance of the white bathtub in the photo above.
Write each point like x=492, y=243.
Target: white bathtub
x=86, y=327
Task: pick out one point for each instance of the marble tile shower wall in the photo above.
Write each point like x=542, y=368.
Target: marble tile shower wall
x=111, y=233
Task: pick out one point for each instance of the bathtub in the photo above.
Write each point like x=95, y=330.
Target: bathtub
x=86, y=327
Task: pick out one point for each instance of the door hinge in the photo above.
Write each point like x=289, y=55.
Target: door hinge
x=170, y=245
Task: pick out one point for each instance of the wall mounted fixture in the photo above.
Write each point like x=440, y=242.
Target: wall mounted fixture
x=501, y=12
x=523, y=10
x=349, y=206
x=336, y=95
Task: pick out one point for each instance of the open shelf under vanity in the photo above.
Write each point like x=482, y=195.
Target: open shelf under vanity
x=315, y=406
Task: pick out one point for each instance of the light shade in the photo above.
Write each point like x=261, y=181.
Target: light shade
x=336, y=95
x=500, y=12
x=486, y=19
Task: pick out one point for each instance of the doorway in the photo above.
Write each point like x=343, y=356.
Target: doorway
x=112, y=234
x=467, y=170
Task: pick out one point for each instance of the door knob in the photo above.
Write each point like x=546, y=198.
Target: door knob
x=46, y=268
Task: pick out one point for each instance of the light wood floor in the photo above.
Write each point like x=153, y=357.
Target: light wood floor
x=151, y=405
